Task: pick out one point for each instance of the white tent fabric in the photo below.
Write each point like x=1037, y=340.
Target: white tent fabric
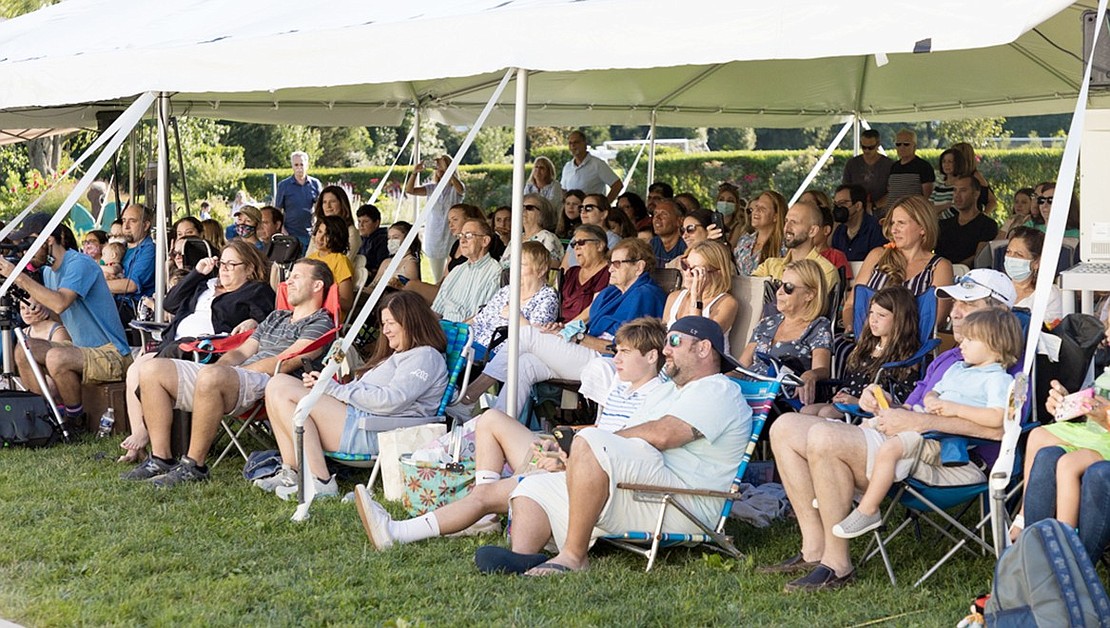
x=350, y=62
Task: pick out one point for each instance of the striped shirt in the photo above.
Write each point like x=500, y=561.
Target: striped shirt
x=622, y=402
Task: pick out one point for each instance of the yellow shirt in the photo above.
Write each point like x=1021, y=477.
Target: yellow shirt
x=774, y=266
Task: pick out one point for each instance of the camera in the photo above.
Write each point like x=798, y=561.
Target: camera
x=13, y=251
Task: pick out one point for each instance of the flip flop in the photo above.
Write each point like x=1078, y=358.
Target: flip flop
x=132, y=455
x=548, y=568
x=494, y=559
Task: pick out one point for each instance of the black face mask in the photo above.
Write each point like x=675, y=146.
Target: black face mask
x=840, y=214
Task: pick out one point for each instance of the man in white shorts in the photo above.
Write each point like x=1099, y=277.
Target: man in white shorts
x=230, y=385
x=689, y=432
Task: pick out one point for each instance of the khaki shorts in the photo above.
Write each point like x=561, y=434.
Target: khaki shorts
x=104, y=364
x=928, y=470
x=252, y=386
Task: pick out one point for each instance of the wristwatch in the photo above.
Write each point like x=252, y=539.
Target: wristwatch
x=579, y=337
x=698, y=305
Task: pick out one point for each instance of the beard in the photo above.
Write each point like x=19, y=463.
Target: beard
x=791, y=240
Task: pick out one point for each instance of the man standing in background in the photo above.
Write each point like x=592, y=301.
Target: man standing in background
x=295, y=197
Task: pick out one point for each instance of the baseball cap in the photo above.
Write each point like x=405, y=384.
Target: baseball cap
x=980, y=284
x=704, y=328
x=34, y=223
x=252, y=212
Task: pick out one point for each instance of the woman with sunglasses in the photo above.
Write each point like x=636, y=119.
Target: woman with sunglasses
x=1045, y=199
x=594, y=211
x=224, y=295
x=694, y=229
x=557, y=351
x=907, y=258
x=539, y=219
x=706, y=282
x=583, y=281
x=797, y=336
x=764, y=241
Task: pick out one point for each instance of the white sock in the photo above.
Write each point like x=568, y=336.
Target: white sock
x=423, y=527
x=486, y=477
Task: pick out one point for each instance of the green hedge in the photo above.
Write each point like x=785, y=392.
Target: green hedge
x=698, y=173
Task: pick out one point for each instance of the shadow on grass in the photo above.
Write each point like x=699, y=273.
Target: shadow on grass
x=80, y=546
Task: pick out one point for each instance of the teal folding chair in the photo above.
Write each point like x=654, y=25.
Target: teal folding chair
x=460, y=360
x=760, y=395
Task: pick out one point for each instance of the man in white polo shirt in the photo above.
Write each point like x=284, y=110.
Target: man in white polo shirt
x=588, y=173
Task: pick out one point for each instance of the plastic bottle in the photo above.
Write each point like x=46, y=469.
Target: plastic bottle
x=107, y=420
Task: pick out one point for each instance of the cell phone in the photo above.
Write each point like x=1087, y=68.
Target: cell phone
x=564, y=435
x=307, y=366
x=1075, y=405
x=401, y=279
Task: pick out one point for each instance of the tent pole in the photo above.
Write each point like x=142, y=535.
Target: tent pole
x=651, y=154
x=163, y=204
x=415, y=160
x=519, y=147
x=130, y=169
x=855, y=133
x=821, y=162
x=181, y=165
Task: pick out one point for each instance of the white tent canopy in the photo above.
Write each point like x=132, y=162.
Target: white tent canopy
x=350, y=62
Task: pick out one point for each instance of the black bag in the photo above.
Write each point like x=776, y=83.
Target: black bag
x=25, y=420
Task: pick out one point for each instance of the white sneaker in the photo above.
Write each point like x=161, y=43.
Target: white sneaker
x=286, y=477
x=488, y=523
x=375, y=520
x=323, y=489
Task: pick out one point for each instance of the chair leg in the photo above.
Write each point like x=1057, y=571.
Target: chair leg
x=886, y=558
x=658, y=531
x=374, y=474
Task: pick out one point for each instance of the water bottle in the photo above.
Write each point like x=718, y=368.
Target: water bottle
x=107, y=420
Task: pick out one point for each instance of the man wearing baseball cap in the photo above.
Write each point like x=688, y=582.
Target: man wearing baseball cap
x=813, y=454
x=689, y=432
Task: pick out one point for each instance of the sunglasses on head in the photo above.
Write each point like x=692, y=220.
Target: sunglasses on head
x=1044, y=200
x=967, y=281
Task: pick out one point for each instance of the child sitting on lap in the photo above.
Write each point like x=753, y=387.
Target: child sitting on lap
x=111, y=260
x=975, y=389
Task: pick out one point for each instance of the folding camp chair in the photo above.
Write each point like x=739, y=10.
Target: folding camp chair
x=922, y=500
x=460, y=359
x=760, y=395
x=253, y=418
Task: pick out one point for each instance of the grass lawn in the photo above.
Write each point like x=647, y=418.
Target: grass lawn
x=80, y=546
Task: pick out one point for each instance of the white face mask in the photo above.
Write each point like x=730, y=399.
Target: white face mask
x=726, y=207
x=393, y=246
x=1018, y=269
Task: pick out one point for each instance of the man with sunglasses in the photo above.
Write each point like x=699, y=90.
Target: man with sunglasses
x=869, y=169
x=910, y=175
x=588, y=173
x=73, y=287
x=471, y=284
x=689, y=432
x=822, y=463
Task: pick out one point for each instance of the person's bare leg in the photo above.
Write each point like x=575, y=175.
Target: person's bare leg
x=221, y=394
x=65, y=364
x=1069, y=475
x=500, y=439
x=882, y=476
x=788, y=442
x=838, y=465
x=158, y=384
x=323, y=431
x=531, y=529
x=39, y=349
x=588, y=490
x=483, y=499
x=282, y=394
x=138, y=440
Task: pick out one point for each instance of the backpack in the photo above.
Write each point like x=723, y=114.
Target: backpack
x=25, y=420
x=1046, y=579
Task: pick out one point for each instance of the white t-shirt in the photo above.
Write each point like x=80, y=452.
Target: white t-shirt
x=437, y=237
x=199, y=323
x=1055, y=304
x=593, y=176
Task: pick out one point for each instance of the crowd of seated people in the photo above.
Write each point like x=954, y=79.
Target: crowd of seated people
x=605, y=323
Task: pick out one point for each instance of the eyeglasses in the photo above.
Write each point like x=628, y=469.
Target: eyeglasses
x=617, y=263
x=587, y=208
x=530, y=207
x=871, y=147
x=1045, y=200
x=968, y=282
x=581, y=242
x=231, y=265
x=470, y=235
x=176, y=255
x=691, y=228
x=903, y=144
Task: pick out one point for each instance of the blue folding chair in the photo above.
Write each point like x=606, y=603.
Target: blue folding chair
x=460, y=358
x=760, y=395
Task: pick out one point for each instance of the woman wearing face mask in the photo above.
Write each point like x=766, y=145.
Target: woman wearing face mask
x=246, y=225
x=410, y=265
x=94, y=244
x=731, y=206
x=1023, y=259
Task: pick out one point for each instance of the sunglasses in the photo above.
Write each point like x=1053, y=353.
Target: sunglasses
x=871, y=147
x=903, y=144
x=674, y=340
x=691, y=228
x=530, y=207
x=966, y=281
x=581, y=242
x=787, y=287
x=589, y=208
x=1045, y=200
x=617, y=263
x=231, y=265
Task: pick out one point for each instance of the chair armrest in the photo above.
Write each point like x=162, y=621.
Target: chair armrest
x=927, y=348
x=696, y=492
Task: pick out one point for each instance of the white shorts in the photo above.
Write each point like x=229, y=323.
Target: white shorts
x=252, y=386
x=630, y=460
x=933, y=475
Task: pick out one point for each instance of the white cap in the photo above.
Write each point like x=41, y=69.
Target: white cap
x=980, y=284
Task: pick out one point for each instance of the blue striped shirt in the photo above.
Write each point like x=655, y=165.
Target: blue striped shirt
x=622, y=402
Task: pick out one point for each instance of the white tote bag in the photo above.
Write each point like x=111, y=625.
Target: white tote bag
x=394, y=443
